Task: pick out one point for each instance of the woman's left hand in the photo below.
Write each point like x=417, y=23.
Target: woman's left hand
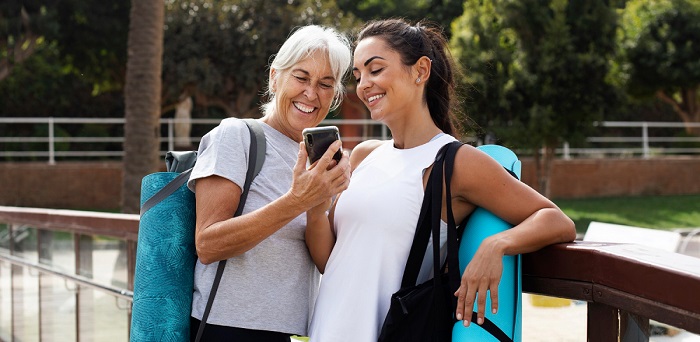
x=481, y=276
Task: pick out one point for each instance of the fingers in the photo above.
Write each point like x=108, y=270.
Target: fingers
x=481, y=302
x=301, y=158
x=327, y=162
x=494, y=299
x=322, y=180
x=468, y=294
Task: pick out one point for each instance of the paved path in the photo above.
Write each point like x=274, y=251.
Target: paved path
x=568, y=324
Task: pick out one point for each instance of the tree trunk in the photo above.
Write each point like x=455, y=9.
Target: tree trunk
x=183, y=124
x=688, y=108
x=543, y=165
x=142, y=98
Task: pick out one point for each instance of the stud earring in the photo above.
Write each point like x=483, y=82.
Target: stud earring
x=418, y=80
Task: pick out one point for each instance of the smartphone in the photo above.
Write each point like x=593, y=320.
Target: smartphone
x=317, y=141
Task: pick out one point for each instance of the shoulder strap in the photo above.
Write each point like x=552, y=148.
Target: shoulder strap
x=429, y=217
x=256, y=158
x=430, y=212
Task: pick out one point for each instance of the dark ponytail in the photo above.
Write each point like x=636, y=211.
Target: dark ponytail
x=412, y=43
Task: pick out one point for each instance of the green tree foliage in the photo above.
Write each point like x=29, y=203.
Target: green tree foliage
x=62, y=58
x=23, y=25
x=536, y=70
x=487, y=51
x=217, y=51
x=90, y=36
x=439, y=11
x=660, y=41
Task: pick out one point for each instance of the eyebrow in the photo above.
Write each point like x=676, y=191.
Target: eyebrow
x=369, y=60
x=330, y=78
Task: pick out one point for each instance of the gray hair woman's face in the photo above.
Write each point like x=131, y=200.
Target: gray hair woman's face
x=303, y=94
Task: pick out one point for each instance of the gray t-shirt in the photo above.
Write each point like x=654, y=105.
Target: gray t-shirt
x=272, y=286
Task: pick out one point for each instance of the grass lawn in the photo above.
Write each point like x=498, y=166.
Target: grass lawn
x=658, y=212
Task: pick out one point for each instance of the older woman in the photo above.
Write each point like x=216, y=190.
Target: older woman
x=269, y=284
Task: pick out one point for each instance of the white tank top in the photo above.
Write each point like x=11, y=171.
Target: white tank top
x=375, y=220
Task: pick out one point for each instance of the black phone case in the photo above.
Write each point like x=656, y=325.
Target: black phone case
x=319, y=143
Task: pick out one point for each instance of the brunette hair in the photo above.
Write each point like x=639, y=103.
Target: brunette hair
x=413, y=42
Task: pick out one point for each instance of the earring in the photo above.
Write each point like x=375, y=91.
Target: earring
x=418, y=80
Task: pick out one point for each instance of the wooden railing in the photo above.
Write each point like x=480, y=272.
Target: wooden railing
x=624, y=285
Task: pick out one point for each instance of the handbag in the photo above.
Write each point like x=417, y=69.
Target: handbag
x=425, y=312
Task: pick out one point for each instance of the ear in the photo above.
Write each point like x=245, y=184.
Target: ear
x=422, y=69
x=273, y=80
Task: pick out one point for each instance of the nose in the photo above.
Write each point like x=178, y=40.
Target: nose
x=310, y=92
x=361, y=86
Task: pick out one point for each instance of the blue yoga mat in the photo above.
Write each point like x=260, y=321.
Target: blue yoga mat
x=481, y=225
x=165, y=259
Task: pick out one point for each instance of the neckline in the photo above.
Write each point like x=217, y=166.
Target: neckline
x=435, y=138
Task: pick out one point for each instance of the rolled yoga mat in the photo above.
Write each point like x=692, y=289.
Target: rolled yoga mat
x=481, y=225
x=165, y=260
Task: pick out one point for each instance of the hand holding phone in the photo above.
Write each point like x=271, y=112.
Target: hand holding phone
x=317, y=141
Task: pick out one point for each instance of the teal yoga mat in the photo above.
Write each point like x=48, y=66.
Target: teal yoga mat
x=165, y=259
x=481, y=225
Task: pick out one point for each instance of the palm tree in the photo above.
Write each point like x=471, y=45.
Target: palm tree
x=142, y=98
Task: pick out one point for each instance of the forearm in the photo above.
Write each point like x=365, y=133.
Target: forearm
x=544, y=227
x=235, y=236
x=320, y=238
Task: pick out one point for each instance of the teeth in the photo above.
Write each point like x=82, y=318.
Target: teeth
x=375, y=97
x=304, y=108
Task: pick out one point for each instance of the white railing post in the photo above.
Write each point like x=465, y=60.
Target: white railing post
x=567, y=154
x=645, y=139
x=171, y=135
x=52, y=149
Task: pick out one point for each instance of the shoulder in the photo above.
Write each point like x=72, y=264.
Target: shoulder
x=232, y=125
x=362, y=150
x=475, y=168
x=229, y=129
x=474, y=159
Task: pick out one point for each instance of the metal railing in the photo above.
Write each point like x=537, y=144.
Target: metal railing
x=52, y=146
x=624, y=285
x=19, y=140
x=66, y=275
x=642, y=143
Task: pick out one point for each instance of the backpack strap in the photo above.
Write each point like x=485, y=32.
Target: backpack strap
x=256, y=157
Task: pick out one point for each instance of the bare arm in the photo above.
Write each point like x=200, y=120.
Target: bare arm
x=479, y=181
x=220, y=236
x=320, y=236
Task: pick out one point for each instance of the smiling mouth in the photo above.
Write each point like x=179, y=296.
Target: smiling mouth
x=304, y=108
x=375, y=97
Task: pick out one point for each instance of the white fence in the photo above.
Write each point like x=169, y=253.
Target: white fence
x=19, y=140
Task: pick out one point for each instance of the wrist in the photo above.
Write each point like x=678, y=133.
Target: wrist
x=294, y=203
x=496, y=244
x=315, y=215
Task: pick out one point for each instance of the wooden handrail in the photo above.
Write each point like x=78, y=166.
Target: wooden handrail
x=120, y=226
x=639, y=280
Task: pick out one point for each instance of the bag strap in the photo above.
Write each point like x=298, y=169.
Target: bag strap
x=165, y=191
x=429, y=221
x=256, y=157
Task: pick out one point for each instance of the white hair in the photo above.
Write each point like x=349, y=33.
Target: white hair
x=302, y=43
